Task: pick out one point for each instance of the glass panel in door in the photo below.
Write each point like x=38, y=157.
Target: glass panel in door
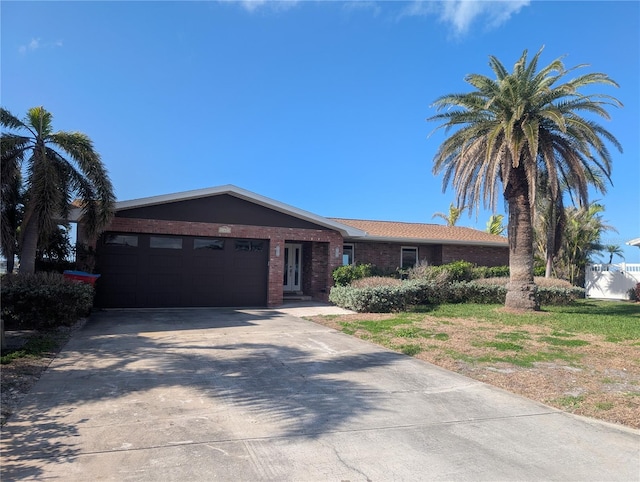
x=292, y=267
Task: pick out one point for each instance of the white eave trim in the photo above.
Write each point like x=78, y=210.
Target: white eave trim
x=634, y=242
x=242, y=194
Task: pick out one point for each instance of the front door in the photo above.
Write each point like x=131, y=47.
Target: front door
x=292, y=267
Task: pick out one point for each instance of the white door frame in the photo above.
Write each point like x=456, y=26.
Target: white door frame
x=292, y=267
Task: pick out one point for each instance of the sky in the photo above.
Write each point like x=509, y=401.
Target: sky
x=322, y=105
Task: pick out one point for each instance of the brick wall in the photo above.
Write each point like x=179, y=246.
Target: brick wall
x=480, y=255
x=386, y=256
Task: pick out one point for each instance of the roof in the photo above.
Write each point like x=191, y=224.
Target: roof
x=421, y=232
x=351, y=229
x=345, y=230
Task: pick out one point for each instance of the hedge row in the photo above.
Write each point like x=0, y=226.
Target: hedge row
x=43, y=301
x=385, y=299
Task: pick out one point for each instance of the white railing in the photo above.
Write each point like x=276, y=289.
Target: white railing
x=611, y=281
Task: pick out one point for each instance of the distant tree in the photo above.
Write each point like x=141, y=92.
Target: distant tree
x=550, y=215
x=495, y=225
x=510, y=128
x=613, y=250
x=452, y=216
x=57, y=167
x=582, y=240
x=10, y=214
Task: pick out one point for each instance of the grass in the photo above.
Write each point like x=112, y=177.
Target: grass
x=617, y=321
x=579, y=358
x=37, y=346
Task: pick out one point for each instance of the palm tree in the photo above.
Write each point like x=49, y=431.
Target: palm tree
x=582, y=239
x=511, y=128
x=550, y=214
x=613, y=250
x=452, y=217
x=51, y=180
x=495, y=226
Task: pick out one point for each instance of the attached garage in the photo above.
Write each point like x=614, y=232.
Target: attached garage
x=142, y=270
x=220, y=246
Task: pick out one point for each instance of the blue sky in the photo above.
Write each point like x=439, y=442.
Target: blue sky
x=321, y=105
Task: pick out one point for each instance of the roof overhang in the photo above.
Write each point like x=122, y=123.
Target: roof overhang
x=388, y=239
x=634, y=242
x=230, y=189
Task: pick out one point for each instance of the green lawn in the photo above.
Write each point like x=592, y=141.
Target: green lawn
x=616, y=320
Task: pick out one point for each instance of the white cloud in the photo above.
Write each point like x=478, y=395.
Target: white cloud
x=362, y=5
x=461, y=14
x=36, y=44
x=253, y=5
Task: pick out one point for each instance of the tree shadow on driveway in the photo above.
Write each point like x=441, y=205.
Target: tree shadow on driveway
x=131, y=381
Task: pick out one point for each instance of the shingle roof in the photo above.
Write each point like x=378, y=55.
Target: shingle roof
x=422, y=232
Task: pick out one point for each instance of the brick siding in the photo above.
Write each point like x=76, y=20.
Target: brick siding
x=386, y=256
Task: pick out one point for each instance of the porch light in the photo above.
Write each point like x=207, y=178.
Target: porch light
x=277, y=251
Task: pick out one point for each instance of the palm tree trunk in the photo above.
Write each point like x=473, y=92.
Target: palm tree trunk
x=551, y=239
x=29, y=247
x=521, y=291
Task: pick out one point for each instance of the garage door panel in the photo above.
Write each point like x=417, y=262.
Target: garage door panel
x=201, y=272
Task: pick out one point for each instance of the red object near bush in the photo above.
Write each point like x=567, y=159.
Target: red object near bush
x=81, y=276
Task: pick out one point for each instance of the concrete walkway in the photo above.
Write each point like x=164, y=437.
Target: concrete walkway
x=250, y=395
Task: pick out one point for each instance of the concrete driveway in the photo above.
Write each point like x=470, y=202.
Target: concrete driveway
x=249, y=395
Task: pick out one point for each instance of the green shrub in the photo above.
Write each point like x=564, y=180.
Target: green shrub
x=549, y=295
x=344, y=275
x=480, y=272
x=387, y=298
x=43, y=301
x=377, y=299
x=455, y=271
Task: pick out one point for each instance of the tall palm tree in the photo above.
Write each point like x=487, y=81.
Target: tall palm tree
x=508, y=130
x=56, y=167
x=452, y=216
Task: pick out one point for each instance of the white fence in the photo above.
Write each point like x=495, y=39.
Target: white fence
x=611, y=281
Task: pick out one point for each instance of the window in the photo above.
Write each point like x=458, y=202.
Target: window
x=248, y=245
x=347, y=254
x=203, y=243
x=165, y=242
x=408, y=257
x=121, y=240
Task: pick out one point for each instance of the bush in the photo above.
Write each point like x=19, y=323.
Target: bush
x=373, y=281
x=43, y=301
x=384, y=298
x=344, y=275
x=377, y=299
x=634, y=293
x=445, y=273
x=480, y=272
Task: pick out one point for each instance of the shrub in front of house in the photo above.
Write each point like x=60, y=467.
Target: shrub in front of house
x=343, y=275
x=450, y=272
x=480, y=272
x=383, y=298
x=43, y=301
x=380, y=296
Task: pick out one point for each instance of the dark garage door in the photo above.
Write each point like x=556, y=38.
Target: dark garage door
x=148, y=271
